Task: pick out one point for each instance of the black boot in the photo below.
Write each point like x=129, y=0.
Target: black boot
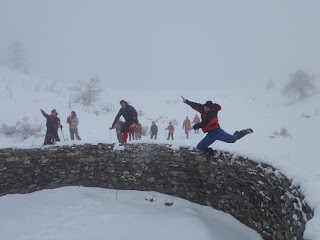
x=242, y=133
x=209, y=153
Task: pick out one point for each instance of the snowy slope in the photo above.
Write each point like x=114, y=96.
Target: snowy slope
x=264, y=111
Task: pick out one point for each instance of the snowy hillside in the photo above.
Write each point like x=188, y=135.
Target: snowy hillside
x=265, y=111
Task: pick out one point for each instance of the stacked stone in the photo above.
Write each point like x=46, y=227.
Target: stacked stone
x=254, y=193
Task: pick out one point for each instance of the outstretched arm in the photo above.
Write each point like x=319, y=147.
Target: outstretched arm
x=196, y=106
x=44, y=114
x=117, y=117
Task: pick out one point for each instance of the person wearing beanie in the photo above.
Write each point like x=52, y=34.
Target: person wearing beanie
x=52, y=125
x=210, y=125
x=131, y=119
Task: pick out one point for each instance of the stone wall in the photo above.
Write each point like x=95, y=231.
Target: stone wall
x=256, y=194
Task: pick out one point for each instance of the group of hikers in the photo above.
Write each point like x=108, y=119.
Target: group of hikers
x=132, y=127
x=53, y=124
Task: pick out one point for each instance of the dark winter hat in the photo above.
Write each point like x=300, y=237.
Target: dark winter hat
x=54, y=111
x=209, y=104
x=123, y=101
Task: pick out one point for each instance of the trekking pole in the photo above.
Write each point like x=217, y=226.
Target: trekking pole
x=62, y=133
x=110, y=134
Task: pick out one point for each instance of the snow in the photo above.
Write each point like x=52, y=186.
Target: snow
x=296, y=156
x=95, y=213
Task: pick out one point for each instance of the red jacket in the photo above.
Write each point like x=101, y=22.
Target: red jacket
x=209, y=120
x=138, y=128
x=170, y=128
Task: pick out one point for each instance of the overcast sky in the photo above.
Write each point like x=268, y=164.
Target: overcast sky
x=167, y=44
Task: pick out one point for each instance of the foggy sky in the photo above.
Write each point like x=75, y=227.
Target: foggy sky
x=165, y=44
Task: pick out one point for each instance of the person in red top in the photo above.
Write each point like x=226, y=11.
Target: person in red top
x=53, y=124
x=186, y=126
x=170, y=128
x=138, y=131
x=195, y=121
x=209, y=115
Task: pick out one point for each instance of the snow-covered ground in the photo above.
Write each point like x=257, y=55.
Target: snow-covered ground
x=94, y=213
x=264, y=111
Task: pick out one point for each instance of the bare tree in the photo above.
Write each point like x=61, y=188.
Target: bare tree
x=301, y=83
x=88, y=92
x=270, y=84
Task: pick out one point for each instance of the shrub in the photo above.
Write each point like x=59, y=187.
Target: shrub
x=283, y=133
x=301, y=84
x=22, y=129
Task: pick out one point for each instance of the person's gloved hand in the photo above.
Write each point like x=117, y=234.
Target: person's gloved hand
x=111, y=128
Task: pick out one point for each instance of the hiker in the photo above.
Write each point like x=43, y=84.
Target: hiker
x=52, y=127
x=154, y=130
x=131, y=118
x=138, y=131
x=73, y=122
x=186, y=126
x=210, y=125
x=170, y=128
x=118, y=130
x=55, y=132
x=195, y=121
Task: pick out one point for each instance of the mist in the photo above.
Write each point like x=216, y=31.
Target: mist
x=170, y=44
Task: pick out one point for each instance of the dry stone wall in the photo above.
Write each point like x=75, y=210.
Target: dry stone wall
x=256, y=194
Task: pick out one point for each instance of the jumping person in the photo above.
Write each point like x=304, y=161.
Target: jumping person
x=52, y=127
x=210, y=125
x=131, y=118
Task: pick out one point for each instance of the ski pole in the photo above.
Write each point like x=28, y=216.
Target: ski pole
x=110, y=134
x=62, y=133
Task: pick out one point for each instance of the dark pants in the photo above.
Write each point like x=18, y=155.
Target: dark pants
x=74, y=132
x=154, y=134
x=119, y=136
x=49, y=139
x=187, y=133
x=170, y=134
x=212, y=136
x=138, y=135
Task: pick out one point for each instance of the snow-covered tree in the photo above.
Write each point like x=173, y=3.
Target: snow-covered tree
x=300, y=83
x=88, y=92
